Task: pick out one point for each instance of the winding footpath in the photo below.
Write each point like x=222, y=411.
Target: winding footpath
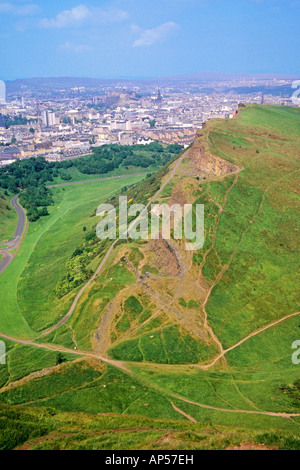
x=109, y=251
x=7, y=257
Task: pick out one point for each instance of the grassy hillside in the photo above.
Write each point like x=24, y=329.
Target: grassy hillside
x=203, y=338
x=31, y=429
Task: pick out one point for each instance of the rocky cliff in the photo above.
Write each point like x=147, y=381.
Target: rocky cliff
x=204, y=162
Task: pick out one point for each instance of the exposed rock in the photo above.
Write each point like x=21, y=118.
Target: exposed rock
x=165, y=257
x=204, y=162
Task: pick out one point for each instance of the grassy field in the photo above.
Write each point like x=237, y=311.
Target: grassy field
x=76, y=175
x=166, y=314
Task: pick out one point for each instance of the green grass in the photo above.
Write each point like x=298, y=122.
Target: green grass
x=76, y=175
x=133, y=307
x=42, y=257
x=168, y=346
x=42, y=429
x=22, y=360
x=71, y=376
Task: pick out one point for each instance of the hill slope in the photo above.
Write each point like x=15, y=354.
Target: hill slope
x=199, y=336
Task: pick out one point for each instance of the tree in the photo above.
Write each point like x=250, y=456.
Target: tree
x=60, y=359
x=43, y=212
x=32, y=215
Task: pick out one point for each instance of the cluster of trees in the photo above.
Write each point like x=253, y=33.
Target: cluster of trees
x=17, y=121
x=111, y=157
x=31, y=177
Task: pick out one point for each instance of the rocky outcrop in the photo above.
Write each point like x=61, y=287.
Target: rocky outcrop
x=204, y=162
x=166, y=258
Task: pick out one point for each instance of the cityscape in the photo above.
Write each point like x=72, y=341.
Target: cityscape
x=69, y=122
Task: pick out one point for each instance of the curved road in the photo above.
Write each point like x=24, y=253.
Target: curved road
x=13, y=243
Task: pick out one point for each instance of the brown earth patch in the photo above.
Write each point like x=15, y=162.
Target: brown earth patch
x=204, y=162
x=251, y=446
x=165, y=257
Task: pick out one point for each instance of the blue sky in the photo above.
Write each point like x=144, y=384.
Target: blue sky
x=147, y=38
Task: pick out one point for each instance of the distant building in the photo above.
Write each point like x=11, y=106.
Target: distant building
x=49, y=118
x=8, y=156
x=159, y=97
x=144, y=141
x=2, y=92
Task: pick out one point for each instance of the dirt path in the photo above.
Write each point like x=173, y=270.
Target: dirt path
x=190, y=418
x=206, y=325
x=221, y=210
x=99, y=269
x=62, y=349
x=267, y=413
x=226, y=267
x=122, y=365
x=255, y=333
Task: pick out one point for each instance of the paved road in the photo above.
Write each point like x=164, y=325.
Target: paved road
x=13, y=243
x=5, y=260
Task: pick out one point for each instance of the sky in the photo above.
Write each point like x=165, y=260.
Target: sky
x=147, y=38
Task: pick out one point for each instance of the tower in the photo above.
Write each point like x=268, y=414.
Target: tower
x=159, y=97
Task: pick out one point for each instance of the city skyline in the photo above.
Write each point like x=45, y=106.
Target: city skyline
x=124, y=39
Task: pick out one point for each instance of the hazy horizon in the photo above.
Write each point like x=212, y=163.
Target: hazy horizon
x=201, y=76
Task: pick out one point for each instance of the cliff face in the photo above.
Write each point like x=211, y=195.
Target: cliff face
x=204, y=162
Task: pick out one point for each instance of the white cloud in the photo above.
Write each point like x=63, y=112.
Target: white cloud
x=77, y=48
x=149, y=37
x=81, y=14
x=19, y=10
